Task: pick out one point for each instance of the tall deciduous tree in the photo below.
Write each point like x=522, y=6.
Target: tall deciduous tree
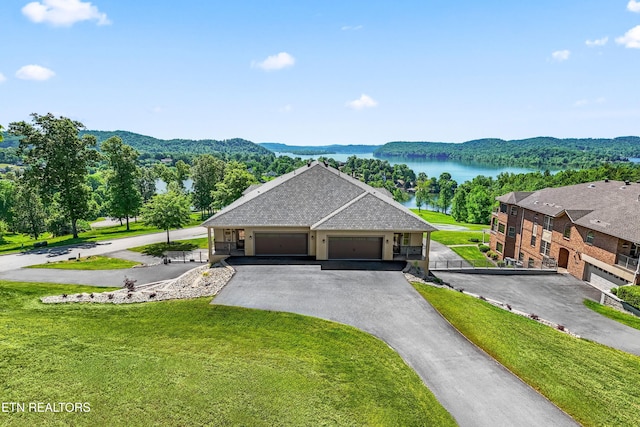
x=447, y=190
x=122, y=179
x=28, y=210
x=167, y=210
x=7, y=200
x=183, y=171
x=57, y=160
x=146, y=183
x=206, y=172
x=236, y=180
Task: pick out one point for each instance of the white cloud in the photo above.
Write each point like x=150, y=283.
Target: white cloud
x=631, y=38
x=2, y=78
x=275, y=62
x=352, y=27
x=561, y=55
x=633, y=6
x=365, y=101
x=63, y=13
x=585, y=102
x=597, y=42
x=34, y=72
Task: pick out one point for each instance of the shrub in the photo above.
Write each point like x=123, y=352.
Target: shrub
x=495, y=256
x=630, y=294
x=484, y=248
x=501, y=263
x=130, y=284
x=614, y=291
x=474, y=240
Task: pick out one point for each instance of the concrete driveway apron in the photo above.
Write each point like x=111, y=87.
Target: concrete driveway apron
x=472, y=386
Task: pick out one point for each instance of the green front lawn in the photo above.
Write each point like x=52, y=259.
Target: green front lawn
x=595, y=384
x=187, y=245
x=441, y=218
x=473, y=255
x=459, y=237
x=94, y=262
x=189, y=362
x=11, y=243
x=618, y=316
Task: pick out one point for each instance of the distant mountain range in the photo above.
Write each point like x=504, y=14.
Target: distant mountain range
x=540, y=152
x=149, y=144
x=319, y=149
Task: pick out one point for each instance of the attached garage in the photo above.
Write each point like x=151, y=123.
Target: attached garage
x=602, y=279
x=281, y=243
x=347, y=247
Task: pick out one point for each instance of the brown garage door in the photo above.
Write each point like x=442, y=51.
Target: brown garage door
x=281, y=244
x=355, y=247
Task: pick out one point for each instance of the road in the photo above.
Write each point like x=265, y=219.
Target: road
x=16, y=261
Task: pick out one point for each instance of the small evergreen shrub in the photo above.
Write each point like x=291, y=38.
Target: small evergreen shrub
x=629, y=294
x=484, y=248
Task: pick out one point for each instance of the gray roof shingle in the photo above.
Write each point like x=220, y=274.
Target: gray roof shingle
x=312, y=194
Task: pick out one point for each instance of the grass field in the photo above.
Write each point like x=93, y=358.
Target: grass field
x=595, y=384
x=156, y=249
x=618, y=316
x=448, y=238
x=94, y=262
x=473, y=254
x=441, y=218
x=12, y=243
x=190, y=363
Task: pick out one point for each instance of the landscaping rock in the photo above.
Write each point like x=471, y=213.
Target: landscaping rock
x=201, y=281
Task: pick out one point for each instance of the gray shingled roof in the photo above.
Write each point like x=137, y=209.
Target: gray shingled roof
x=312, y=194
x=371, y=212
x=514, y=197
x=612, y=207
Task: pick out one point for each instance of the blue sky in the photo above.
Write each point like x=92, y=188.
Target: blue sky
x=326, y=71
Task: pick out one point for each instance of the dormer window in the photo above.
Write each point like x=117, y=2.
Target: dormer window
x=590, y=238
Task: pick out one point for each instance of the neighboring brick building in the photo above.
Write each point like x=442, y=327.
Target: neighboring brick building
x=592, y=230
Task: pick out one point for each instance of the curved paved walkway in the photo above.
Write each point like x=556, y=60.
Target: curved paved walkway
x=472, y=386
x=555, y=297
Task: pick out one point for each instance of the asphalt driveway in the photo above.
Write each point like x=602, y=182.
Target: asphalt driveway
x=558, y=298
x=474, y=388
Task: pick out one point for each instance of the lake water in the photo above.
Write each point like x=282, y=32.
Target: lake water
x=459, y=171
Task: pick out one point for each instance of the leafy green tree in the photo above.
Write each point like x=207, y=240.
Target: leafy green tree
x=146, y=183
x=4, y=229
x=183, y=171
x=422, y=194
x=29, y=212
x=7, y=200
x=1, y=137
x=57, y=161
x=164, y=172
x=459, y=203
x=479, y=204
x=167, y=210
x=447, y=190
x=207, y=171
x=236, y=180
x=124, y=199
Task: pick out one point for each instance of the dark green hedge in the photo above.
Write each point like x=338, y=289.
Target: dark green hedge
x=630, y=294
